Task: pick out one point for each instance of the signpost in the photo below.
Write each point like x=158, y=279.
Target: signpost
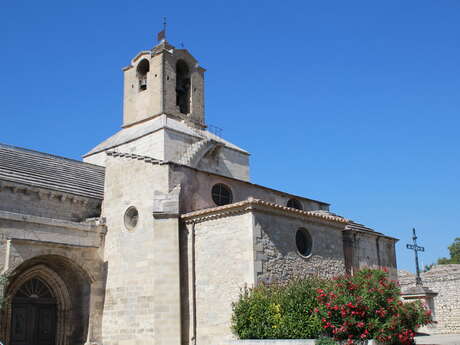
x=416, y=249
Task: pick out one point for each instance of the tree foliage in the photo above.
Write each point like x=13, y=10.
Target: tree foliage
x=454, y=251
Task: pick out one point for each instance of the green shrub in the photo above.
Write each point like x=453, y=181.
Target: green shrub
x=349, y=309
x=278, y=311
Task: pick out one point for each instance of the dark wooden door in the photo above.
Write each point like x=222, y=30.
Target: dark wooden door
x=33, y=323
x=33, y=318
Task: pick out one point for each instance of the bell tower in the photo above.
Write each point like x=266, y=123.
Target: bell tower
x=163, y=116
x=164, y=80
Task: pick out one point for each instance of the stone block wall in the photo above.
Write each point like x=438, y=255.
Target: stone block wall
x=377, y=252
x=150, y=145
x=139, y=105
x=231, y=248
x=220, y=265
x=445, y=280
x=227, y=162
x=277, y=257
x=197, y=185
x=129, y=308
x=22, y=199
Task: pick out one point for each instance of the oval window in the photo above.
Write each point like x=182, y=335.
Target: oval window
x=221, y=194
x=303, y=242
x=131, y=217
x=294, y=203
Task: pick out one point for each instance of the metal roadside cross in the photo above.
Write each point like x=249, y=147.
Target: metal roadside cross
x=416, y=249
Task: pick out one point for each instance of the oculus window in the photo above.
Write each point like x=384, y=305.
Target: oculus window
x=303, y=242
x=221, y=194
x=131, y=218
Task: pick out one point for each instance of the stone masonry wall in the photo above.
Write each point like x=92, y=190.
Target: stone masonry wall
x=197, y=185
x=223, y=263
x=46, y=203
x=373, y=251
x=227, y=162
x=276, y=252
x=129, y=309
x=150, y=145
x=445, y=280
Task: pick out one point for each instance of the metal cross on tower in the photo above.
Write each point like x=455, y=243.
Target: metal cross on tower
x=162, y=34
x=416, y=249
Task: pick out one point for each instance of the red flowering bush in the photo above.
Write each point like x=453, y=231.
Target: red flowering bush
x=348, y=309
x=367, y=306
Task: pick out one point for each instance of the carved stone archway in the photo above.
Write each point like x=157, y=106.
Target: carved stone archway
x=59, y=290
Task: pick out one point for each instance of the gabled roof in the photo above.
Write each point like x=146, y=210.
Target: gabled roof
x=43, y=170
x=253, y=203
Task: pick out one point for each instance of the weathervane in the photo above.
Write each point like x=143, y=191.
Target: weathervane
x=416, y=249
x=162, y=34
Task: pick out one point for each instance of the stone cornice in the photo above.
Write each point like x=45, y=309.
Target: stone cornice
x=43, y=193
x=164, y=215
x=134, y=156
x=49, y=243
x=94, y=225
x=252, y=204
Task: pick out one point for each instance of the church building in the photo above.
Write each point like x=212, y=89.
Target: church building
x=150, y=238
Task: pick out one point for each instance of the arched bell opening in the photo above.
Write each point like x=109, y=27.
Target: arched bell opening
x=143, y=69
x=183, y=87
x=47, y=302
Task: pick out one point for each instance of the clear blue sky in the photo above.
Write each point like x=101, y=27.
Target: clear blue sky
x=352, y=102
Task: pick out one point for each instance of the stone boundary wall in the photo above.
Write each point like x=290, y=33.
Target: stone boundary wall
x=272, y=342
x=445, y=280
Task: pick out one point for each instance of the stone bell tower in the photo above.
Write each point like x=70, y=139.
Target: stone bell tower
x=163, y=116
x=164, y=80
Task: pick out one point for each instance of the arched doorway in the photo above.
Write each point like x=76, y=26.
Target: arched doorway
x=33, y=314
x=37, y=309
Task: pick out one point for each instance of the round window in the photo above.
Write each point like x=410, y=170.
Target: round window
x=221, y=194
x=131, y=218
x=303, y=242
x=294, y=203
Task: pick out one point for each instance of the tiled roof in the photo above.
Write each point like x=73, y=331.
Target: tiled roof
x=43, y=170
x=359, y=227
x=364, y=229
x=251, y=202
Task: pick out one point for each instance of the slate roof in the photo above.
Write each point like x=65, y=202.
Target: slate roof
x=51, y=172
